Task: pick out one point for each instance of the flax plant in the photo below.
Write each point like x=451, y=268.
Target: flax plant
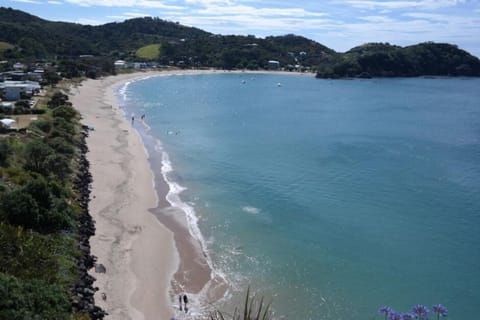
x=252, y=310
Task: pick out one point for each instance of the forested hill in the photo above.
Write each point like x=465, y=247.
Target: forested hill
x=26, y=37
x=385, y=60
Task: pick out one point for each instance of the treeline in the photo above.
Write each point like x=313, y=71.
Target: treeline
x=385, y=60
x=39, y=217
x=29, y=37
x=91, y=50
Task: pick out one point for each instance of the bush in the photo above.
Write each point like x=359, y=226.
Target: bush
x=5, y=152
x=35, y=154
x=58, y=99
x=31, y=299
x=61, y=146
x=28, y=255
x=35, y=207
x=43, y=124
x=65, y=112
x=19, y=208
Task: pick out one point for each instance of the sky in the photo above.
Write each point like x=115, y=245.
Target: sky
x=338, y=24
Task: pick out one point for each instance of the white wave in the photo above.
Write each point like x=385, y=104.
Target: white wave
x=251, y=210
x=173, y=197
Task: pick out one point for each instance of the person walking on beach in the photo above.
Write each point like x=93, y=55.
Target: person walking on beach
x=185, y=301
x=180, y=301
x=133, y=119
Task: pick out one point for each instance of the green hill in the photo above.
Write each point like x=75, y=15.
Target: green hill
x=38, y=38
x=385, y=60
x=141, y=38
x=149, y=52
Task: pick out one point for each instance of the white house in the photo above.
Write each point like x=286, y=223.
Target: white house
x=120, y=64
x=8, y=123
x=273, y=64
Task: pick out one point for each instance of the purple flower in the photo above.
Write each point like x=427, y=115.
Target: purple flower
x=394, y=316
x=385, y=311
x=420, y=311
x=440, y=310
x=408, y=316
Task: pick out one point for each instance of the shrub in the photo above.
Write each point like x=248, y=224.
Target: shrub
x=5, y=152
x=31, y=299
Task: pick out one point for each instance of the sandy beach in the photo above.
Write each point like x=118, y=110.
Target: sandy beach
x=145, y=244
x=137, y=251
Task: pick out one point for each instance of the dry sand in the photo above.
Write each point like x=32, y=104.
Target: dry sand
x=136, y=249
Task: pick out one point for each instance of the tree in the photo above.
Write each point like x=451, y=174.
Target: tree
x=35, y=154
x=19, y=208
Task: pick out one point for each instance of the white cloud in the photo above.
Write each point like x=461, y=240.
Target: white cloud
x=424, y=4
x=92, y=22
x=376, y=19
x=129, y=15
x=27, y=1
x=259, y=12
x=54, y=2
x=126, y=3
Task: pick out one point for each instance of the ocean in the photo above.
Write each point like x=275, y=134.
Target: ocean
x=330, y=198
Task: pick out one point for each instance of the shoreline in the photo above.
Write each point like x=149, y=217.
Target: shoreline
x=150, y=256
x=138, y=252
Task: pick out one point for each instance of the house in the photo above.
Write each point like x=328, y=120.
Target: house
x=12, y=90
x=7, y=123
x=7, y=105
x=273, y=65
x=19, y=66
x=120, y=64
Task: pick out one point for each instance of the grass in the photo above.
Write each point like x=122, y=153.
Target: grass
x=149, y=52
x=5, y=46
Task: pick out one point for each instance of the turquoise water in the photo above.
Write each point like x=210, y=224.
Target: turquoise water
x=331, y=198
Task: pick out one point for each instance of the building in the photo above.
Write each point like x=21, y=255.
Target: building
x=273, y=65
x=12, y=90
x=120, y=64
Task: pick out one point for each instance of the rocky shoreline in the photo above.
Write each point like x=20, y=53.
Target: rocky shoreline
x=83, y=292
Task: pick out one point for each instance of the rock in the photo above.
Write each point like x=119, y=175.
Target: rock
x=100, y=268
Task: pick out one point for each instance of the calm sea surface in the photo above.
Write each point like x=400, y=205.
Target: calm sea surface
x=331, y=198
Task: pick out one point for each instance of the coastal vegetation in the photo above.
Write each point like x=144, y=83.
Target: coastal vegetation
x=91, y=50
x=41, y=218
x=385, y=60
x=253, y=309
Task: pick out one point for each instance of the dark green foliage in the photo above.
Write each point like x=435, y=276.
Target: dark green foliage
x=36, y=207
x=61, y=146
x=44, y=125
x=5, y=151
x=38, y=218
x=66, y=112
x=19, y=208
x=58, y=99
x=28, y=255
x=385, y=60
x=63, y=128
x=36, y=154
x=31, y=299
x=50, y=77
